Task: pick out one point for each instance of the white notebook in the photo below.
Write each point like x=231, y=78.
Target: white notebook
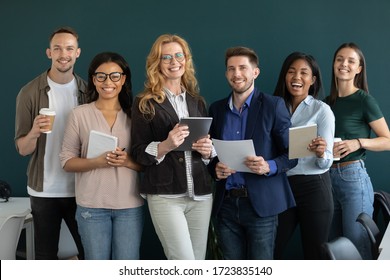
x=299, y=138
x=100, y=143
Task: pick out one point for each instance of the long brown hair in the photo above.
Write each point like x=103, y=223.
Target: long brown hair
x=360, y=80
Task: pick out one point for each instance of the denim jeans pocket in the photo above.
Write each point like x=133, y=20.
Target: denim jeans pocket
x=352, y=174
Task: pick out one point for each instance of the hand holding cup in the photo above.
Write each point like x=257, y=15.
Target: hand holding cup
x=51, y=114
x=336, y=152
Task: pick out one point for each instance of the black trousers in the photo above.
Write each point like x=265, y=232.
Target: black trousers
x=47, y=216
x=314, y=213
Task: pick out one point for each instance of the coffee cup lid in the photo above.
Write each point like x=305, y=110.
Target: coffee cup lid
x=47, y=111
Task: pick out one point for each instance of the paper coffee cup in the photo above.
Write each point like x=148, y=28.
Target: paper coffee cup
x=51, y=114
x=336, y=156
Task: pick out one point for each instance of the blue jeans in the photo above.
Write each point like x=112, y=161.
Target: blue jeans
x=242, y=233
x=353, y=194
x=110, y=233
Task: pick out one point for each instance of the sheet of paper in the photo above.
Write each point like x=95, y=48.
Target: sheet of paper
x=199, y=127
x=299, y=138
x=233, y=153
x=100, y=143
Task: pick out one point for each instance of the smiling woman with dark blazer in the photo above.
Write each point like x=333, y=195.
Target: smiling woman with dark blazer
x=175, y=183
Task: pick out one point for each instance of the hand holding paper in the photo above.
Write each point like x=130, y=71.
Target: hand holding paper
x=257, y=165
x=234, y=153
x=223, y=171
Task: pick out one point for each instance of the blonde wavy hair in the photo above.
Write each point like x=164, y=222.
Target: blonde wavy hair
x=155, y=79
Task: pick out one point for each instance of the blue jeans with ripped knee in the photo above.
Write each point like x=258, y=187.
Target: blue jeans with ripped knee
x=110, y=233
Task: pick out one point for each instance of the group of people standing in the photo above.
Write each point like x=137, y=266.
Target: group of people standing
x=255, y=213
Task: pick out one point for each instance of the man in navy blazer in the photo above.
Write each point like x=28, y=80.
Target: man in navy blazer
x=247, y=204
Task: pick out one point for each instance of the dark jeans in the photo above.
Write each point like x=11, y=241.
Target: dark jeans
x=47, y=216
x=244, y=235
x=314, y=213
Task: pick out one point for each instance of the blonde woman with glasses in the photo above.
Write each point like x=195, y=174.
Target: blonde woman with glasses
x=175, y=183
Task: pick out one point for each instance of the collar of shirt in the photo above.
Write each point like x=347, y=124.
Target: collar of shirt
x=178, y=102
x=247, y=101
x=306, y=102
x=170, y=94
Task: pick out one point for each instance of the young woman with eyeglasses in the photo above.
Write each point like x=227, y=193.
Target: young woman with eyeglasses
x=175, y=183
x=109, y=208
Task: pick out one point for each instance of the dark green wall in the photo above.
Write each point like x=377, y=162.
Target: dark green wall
x=274, y=28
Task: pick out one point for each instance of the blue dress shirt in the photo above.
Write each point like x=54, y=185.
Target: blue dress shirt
x=234, y=129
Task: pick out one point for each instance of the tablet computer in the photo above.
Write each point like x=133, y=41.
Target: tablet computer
x=198, y=126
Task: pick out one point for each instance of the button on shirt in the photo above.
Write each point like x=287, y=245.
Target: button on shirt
x=234, y=129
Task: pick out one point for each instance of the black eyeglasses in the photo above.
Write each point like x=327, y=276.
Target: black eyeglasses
x=167, y=58
x=114, y=76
